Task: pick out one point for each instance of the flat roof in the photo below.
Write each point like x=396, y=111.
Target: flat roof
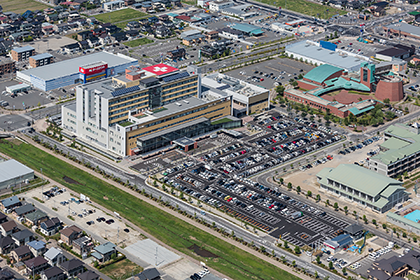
x=71, y=66
x=309, y=50
x=18, y=87
x=184, y=141
x=23, y=49
x=394, y=143
x=12, y=169
x=41, y=56
x=392, y=52
x=405, y=27
x=160, y=69
x=248, y=28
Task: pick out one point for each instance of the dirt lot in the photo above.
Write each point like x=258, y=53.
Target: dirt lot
x=113, y=232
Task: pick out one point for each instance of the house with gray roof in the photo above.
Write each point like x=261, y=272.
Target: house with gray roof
x=36, y=265
x=72, y=267
x=10, y=202
x=103, y=252
x=88, y=275
x=363, y=186
x=23, y=210
x=53, y=273
x=22, y=237
x=54, y=256
x=7, y=244
x=36, y=217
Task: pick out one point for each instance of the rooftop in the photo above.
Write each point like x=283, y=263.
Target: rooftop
x=52, y=253
x=359, y=178
x=71, y=66
x=10, y=201
x=105, y=248
x=24, y=209
x=23, y=49
x=322, y=72
x=37, y=245
x=41, y=56
x=405, y=27
x=248, y=28
x=11, y=169
x=337, y=58
x=392, y=52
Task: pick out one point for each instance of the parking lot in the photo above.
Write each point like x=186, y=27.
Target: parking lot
x=354, y=46
x=271, y=73
x=219, y=177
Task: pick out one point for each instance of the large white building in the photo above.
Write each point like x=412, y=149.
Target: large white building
x=219, y=5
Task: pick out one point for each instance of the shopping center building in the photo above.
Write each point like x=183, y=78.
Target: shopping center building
x=143, y=110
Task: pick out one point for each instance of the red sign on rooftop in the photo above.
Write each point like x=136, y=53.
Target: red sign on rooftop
x=160, y=69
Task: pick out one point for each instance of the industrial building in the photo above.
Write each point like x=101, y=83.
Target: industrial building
x=247, y=98
x=22, y=53
x=248, y=29
x=40, y=60
x=13, y=173
x=145, y=109
x=325, y=53
x=79, y=70
x=400, y=152
x=363, y=186
x=392, y=54
x=402, y=28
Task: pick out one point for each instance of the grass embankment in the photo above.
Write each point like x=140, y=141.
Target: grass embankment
x=305, y=7
x=120, y=15
x=224, y=120
x=180, y=235
x=138, y=42
x=21, y=6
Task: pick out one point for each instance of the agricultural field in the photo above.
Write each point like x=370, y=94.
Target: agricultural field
x=21, y=6
x=120, y=15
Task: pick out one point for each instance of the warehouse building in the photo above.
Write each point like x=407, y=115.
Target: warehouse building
x=404, y=29
x=79, y=70
x=363, y=186
x=22, y=53
x=400, y=152
x=40, y=60
x=145, y=109
x=13, y=173
x=391, y=54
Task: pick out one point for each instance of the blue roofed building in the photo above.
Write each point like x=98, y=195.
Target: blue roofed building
x=339, y=242
x=103, y=252
x=248, y=29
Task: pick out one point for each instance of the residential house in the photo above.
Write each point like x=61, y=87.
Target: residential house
x=36, y=265
x=104, y=251
x=50, y=226
x=23, y=210
x=52, y=18
x=22, y=237
x=104, y=39
x=3, y=218
x=72, y=267
x=7, y=244
x=8, y=228
x=6, y=274
x=132, y=33
x=176, y=54
x=36, y=218
x=148, y=274
x=176, y=3
x=415, y=60
x=83, y=245
x=163, y=32
x=119, y=37
x=88, y=275
x=38, y=248
x=54, y=256
x=395, y=267
x=212, y=35
x=71, y=48
x=70, y=233
x=133, y=25
x=11, y=202
x=63, y=15
x=21, y=254
x=53, y=273
x=84, y=35
x=191, y=37
x=84, y=45
x=93, y=42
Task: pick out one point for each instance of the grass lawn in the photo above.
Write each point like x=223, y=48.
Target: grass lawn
x=189, y=2
x=21, y=6
x=413, y=277
x=120, y=15
x=305, y=7
x=175, y=232
x=224, y=120
x=359, y=92
x=138, y=42
x=121, y=270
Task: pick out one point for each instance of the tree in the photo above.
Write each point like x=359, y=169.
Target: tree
x=346, y=209
x=406, y=109
x=374, y=222
x=386, y=100
x=316, y=274
x=336, y=206
x=286, y=244
x=297, y=250
x=394, y=230
x=365, y=219
x=295, y=84
x=327, y=202
x=389, y=115
x=414, y=239
x=404, y=235
x=298, y=189
x=384, y=226
x=344, y=270
x=331, y=265
x=294, y=263
x=318, y=197
x=318, y=259
x=309, y=193
x=289, y=186
x=281, y=181
x=280, y=90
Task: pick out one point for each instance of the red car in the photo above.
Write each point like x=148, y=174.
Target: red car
x=262, y=79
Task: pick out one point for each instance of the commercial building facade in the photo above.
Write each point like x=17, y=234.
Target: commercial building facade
x=363, y=186
x=7, y=66
x=400, y=152
x=142, y=110
x=13, y=173
x=77, y=70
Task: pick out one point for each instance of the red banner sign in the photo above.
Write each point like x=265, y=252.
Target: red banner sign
x=93, y=70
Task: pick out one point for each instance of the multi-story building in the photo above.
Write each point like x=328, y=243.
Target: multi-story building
x=22, y=53
x=362, y=186
x=7, y=66
x=142, y=110
x=400, y=152
x=40, y=60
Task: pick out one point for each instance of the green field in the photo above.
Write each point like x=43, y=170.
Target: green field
x=21, y=6
x=120, y=15
x=138, y=42
x=121, y=270
x=175, y=232
x=305, y=7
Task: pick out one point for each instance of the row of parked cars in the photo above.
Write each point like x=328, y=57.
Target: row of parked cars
x=222, y=151
x=243, y=163
x=177, y=168
x=359, y=146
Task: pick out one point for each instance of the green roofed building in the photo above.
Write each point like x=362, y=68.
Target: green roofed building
x=400, y=152
x=250, y=30
x=363, y=186
x=322, y=73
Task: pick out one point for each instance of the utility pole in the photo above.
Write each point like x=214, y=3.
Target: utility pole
x=118, y=235
x=156, y=255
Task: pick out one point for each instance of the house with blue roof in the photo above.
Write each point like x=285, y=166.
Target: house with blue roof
x=10, y=202
x=38, y=248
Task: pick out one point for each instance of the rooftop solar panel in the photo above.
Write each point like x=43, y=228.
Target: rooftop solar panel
x=123, y=91
x=175, y=77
